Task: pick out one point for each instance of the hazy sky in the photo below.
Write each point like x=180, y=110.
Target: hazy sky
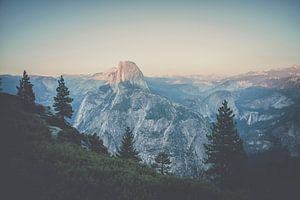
x=162, y=37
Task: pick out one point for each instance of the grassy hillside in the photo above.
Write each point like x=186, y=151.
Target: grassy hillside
x=40, y=166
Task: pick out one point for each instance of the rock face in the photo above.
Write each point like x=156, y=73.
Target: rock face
x=158, y=124
x=265, y=104
x=126, y=71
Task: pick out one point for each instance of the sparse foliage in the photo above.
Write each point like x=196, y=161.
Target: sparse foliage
x=163, y=162
x=96, y=144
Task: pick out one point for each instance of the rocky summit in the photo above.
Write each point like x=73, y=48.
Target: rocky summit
x=158, y=123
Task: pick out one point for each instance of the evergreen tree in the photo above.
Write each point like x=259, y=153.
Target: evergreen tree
x=25, y=91
x=163, y=162
x=127, y=150
x=225, y=153
x=96, y=144
x=62, y=101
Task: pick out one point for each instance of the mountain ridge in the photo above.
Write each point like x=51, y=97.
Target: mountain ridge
x=154, y=120
x=257, y=105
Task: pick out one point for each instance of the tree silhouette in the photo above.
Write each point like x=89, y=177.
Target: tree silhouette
x=127, y=150
x=62, y=101
x=225, y=153
x=25, y=91
x=163, y=162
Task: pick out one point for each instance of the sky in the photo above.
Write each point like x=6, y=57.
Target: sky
x=162, y=37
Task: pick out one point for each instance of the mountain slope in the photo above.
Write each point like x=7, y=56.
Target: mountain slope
x=39, y=166
x=158, y=124
x=259, y=100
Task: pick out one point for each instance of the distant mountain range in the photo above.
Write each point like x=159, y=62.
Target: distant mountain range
x=174, y=113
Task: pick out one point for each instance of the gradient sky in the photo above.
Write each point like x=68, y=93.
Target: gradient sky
x=174, y=37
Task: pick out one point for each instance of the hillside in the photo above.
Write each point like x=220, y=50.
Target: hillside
x=40, y=166
x=172, y=110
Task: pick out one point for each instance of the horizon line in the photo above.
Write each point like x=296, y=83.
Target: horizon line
x=159, y=75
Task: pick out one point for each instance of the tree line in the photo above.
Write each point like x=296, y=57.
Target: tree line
x=225, y=155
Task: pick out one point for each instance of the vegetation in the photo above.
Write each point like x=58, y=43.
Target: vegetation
x=163, y=163
x=95, y=144
x=127, y=150
x=25, y=91
x=41, y=166
x=225, y=152
x=62, y=101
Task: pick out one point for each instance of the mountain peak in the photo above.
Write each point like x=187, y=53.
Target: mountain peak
x=128, y=71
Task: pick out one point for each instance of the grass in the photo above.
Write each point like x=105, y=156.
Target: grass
x=39, y=166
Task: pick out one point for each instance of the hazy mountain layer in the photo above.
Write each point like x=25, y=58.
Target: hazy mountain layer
x=168, y=112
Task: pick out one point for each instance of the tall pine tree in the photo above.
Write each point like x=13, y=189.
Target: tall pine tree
x=25, y=91
x=163, y=162
x=225, y=153
x=62, y=101
x=127, y=150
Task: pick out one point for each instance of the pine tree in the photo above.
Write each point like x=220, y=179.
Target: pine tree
x=163, y=162
x=25, y=91
x=96, y=144
x=225, y=153
x=62, y=101
x=127, y=150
